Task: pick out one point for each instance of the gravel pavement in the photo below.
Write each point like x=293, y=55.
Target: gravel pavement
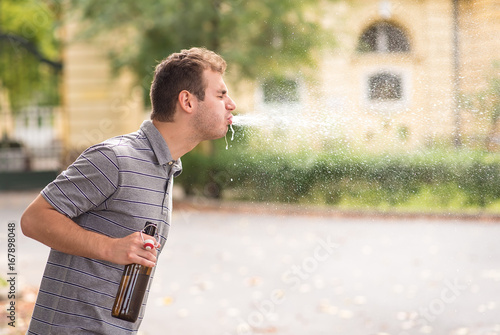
x=232, y=270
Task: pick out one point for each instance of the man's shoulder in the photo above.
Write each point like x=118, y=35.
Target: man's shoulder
x=123, y=143
x=133, y=148
x=129, y=141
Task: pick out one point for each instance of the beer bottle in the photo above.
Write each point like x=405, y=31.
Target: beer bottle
x=133, y=285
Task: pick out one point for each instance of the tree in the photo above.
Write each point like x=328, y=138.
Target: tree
x=29, y=51
x=257, y=38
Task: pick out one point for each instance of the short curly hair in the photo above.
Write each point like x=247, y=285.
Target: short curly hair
x=178, y=72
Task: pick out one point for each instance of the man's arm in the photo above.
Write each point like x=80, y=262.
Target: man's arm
x=43, y=223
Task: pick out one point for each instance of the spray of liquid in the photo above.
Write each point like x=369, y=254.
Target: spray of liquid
x=261, y=120
x=288, y=121
x=232, y=136
x=280, y=128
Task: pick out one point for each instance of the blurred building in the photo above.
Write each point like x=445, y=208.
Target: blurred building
x=404, y=74
x=37, y=142
x=97, y=103
x=396, y=77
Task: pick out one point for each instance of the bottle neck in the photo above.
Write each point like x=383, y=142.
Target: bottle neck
x=150, y=229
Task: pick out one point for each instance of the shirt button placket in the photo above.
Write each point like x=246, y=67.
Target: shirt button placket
x=165, y=192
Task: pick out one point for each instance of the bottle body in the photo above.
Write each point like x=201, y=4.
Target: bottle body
x=133, y=285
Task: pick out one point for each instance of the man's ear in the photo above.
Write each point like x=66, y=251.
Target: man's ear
x=186, y=101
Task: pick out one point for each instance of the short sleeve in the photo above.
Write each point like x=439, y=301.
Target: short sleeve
x=86, y=184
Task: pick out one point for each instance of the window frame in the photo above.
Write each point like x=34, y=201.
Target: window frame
x=290, y=107
x=382, y=39
x=405, y=76
x=380, y=95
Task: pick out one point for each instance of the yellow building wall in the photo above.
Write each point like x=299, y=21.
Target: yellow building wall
x=480, y=28
x=97, y=104
x=479, y=51
x=425, y=113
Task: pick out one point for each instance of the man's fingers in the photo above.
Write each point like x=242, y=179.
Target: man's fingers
x=147, y=240
x=145, y=261
x=130, y=249
x=143, y=256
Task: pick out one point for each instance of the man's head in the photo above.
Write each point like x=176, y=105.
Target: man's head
x=178, y=72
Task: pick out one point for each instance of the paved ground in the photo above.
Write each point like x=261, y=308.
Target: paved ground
x=235, y=272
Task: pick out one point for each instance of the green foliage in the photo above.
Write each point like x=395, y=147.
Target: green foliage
x=27, y=35
x=257, y=38
x=454, y=180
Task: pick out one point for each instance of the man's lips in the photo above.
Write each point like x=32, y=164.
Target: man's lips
x=230, y=119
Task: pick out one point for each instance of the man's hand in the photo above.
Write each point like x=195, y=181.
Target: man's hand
x=43, y=223
x=130, y=249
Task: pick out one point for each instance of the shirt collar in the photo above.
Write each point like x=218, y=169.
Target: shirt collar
x=160, y=147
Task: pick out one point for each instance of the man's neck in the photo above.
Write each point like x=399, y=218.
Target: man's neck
x=178, y=140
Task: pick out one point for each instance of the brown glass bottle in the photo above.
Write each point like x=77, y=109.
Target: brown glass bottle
x=133, y=285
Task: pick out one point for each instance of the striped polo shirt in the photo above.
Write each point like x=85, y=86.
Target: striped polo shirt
x=113, y=188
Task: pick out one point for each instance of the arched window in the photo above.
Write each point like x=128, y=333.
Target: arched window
x=385, y=86
x=383, y=37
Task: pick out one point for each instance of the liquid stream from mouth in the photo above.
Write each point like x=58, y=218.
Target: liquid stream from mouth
x=232, y=136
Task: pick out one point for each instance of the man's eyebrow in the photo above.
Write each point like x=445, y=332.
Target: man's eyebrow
x=222, y=91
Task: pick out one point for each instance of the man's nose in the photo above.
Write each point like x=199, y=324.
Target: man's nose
x=230, y=104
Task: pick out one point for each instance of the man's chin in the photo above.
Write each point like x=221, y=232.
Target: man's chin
x=221, y=135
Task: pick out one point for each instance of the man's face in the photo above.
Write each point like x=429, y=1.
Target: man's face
x=213, y=115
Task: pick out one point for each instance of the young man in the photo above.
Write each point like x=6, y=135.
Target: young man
x=92, y=213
